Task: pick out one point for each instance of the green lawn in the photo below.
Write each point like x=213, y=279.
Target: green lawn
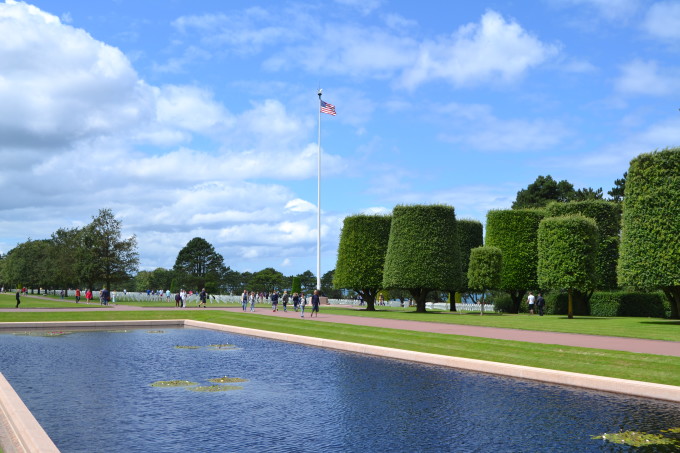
x=643, y=367
x=649, y=328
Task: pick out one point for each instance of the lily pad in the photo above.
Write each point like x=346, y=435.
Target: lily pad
x=176, y=383
x=222, y=346
x=637, y=439
x=215, y=388
x=225, y=379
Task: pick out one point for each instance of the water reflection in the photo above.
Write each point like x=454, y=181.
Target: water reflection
x=91, y=392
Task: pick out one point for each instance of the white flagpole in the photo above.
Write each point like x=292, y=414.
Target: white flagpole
x=318, y=203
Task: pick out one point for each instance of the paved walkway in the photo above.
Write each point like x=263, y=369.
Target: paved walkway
x=670, y=348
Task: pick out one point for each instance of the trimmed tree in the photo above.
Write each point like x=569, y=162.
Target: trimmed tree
x=485, y=269
x=650, y=239
x=567, y=247
x=515, y=232
x=607, y=216
x=361, y=255
x=423, y=252
x=470, y=236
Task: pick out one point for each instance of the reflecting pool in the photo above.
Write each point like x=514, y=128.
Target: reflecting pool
x=91, y=392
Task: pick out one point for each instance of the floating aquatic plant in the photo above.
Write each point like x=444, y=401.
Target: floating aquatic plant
x=642, y=439
x=225, y=379
x=175, y=383
x=186, y=347
x=155, y=331
x=222, y=346
x=215, y=388
x=55, y=333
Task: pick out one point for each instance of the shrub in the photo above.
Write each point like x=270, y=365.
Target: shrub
x=622, y=303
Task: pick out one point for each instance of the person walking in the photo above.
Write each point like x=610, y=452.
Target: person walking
x=183, y=295
x=178, y=300
x=203, y=298
x=315, y=303
x=18, y=296
x=540, y=303
x=104, y=296
x=77, y=295
x=88, y=296
x=275, y=300
x=252, y=301
x=531, y=300
x=244, y=300
x=285, y=301
x=296, y=301
x=303, y=302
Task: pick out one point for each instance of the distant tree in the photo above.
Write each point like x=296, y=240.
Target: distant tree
x=361, y=255
x=63, y=258
x=307, y=281
x=650, y=238
x=295, y=286
x=198, y=266
x=423, y=253
x=618, y=190
x=587, y=194
x=105, y=256
x=268, y=279
x=162, y=278
x=515, y=232
x=142, y=281
x=542, y=191
x=27, y=265
x=327, y=286
x=485, y=269
x=470, y=236
x=567, y=247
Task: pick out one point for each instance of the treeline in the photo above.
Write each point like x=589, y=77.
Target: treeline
x=554, y=238
x=97, y=256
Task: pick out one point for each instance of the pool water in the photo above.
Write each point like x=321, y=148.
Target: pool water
x=91, y=392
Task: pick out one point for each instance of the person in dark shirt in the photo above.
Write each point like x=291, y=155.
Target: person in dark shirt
x=315, y=303
x=18, y=296
x=540, y=303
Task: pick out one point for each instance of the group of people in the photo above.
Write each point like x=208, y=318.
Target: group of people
x=536, y=303
x=181, y=298
x=299, y=301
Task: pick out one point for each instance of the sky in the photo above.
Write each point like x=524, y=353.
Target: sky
x=200, y=118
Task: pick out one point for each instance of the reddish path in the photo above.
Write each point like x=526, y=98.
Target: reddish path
x=670, y=348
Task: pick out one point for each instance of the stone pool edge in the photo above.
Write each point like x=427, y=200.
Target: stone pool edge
x=28, y=436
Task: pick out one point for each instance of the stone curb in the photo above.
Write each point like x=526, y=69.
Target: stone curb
x=25, y=429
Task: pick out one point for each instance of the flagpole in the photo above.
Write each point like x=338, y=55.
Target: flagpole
x=318, y=203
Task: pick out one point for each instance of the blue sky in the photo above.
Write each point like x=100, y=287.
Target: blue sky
x=199, y=118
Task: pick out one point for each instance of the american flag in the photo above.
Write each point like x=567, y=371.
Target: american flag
x=327, y=108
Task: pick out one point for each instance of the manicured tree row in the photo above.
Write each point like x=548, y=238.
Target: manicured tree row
x=567, y=247
x=650, y=238
x=515, y=232
x=470, y=236
x=485, y=270
x=361, y=255
x=423, y=252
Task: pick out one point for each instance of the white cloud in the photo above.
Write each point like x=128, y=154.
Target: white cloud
x=646, y=78
x=663, y=20
x=493, y=49
x=364, y=6
x=62, y=86
x=478, y=52
x=475, y=126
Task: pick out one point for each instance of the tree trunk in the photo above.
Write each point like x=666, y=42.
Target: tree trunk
x=570, y=307
x=369, y=297
x=419, y=295
x=516, y=297
x=673, y=295
x=452, y=301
